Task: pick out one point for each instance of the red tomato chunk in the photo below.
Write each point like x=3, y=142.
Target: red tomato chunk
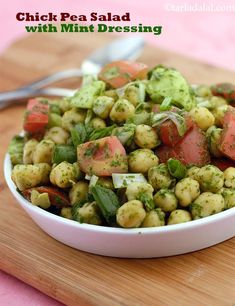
x=169, y=134
x=36, y=116
x=225, y=90
x=227, y=145
x=119, y=73
x=191, y=150
x=102, y=157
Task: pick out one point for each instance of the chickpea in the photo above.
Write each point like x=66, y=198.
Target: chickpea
x=154, y=218
x=98, y=123
x=229, y=197
x=57, y=134
x=102, y=106
x=43, y=152
x=63, y=104
x=193, y=172
x=133, y=94
x=77, y=172
x=229, y=177
x=159, y=177
x=28, y=176
x=187, y=190
x=166, y=200
x=135, y=189
x=203, y=91
x=112, y=94
x=78, y=192
x=217, y=102
x=121, y=111
x=141, y=160
x=66, y=212
x=88, y=213
x=213, y=136
x=146, y=137
x=105, y=182
x=179, y=216
x=44, y=172
x=63, y=175
x=72, y=117
x=203, y=117
x=40, y=199
x=131, y=214
x=210, y=178
x=207, y=204
x=219, y=113
x=28, y=152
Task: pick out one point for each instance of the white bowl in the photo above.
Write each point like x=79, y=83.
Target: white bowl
x=130, y=243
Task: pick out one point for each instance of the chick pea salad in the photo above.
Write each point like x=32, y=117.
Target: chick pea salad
x=132, y=148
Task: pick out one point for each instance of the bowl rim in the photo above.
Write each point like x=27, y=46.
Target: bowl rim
x=105, y=229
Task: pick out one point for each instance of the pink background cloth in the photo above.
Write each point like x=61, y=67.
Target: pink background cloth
x=207, y=36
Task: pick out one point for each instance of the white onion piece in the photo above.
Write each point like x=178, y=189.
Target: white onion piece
x=93, y=181
x=87, y=177
x=123, y=180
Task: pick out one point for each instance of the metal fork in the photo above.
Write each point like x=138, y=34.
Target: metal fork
x=36, y=88
x=125, y=48
x=13, y=96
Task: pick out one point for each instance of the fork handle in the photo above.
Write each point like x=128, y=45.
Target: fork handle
x=57, y=76
x=7, y=98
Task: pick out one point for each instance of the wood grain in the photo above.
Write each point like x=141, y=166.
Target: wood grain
x=73, y=277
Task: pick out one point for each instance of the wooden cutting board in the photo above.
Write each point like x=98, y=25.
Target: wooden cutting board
x=73, y=277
